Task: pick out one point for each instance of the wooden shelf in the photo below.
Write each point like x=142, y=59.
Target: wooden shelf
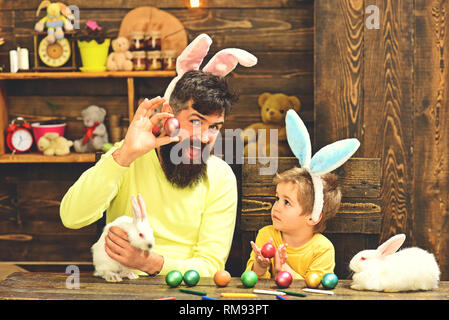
x=40, y=158
x=85, y=75
x=73, y=157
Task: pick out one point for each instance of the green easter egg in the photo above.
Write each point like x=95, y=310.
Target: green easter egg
x=173, y=278
x=191, y=278
x=249, y=278
x=329, y=280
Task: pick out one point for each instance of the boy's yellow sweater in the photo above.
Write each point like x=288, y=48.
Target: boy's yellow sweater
x=317, y=255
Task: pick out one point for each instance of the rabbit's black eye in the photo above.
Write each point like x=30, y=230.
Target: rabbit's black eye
x=141, y=235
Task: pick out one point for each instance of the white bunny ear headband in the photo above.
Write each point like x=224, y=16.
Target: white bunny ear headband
x=324, y=161
x=222, y=63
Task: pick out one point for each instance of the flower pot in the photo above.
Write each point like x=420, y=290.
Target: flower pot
x=94, y=55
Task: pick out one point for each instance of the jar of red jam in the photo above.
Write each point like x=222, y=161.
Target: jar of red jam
x=169, y=59
x=154, y=42
x=154, y=60
x=139, y=60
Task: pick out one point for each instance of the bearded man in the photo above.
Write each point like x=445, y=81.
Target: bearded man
x=190, y=195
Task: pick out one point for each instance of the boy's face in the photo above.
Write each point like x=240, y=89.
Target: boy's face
x=287, y=212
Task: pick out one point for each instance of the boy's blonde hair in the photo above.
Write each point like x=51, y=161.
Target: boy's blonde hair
x=306, y=194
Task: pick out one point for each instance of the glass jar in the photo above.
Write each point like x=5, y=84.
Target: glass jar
x=137, y=41
x=169, y=59
x=139, y=61
x=154, y=60
x=154, y=41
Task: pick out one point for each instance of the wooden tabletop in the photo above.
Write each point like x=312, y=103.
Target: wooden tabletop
x=45, y=285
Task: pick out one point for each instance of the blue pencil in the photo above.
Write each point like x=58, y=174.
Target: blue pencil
x=207, y=298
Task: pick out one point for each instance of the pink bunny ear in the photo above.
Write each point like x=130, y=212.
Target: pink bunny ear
x=224, y=61
x=391, y=245
x=192, y=56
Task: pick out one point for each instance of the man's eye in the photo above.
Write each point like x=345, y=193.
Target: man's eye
x=214, y=128
x=287, y=202
x=196, y=122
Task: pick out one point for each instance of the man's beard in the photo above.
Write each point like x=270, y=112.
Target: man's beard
x=188, y=172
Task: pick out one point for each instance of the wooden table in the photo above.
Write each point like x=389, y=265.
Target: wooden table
x=45, y=285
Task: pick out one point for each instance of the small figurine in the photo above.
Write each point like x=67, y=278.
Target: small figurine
x=55, y=20
x=96, y=135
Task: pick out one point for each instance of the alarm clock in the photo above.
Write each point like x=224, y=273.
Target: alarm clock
x=19, y=138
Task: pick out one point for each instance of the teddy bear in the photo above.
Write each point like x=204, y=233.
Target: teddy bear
x=51, y=144
x=273, y=109
x=96, y=134
x=120, y=59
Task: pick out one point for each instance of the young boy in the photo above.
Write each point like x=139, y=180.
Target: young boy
x=301, y=246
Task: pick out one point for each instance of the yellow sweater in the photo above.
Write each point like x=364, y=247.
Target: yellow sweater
x=193, y=228
x=317, y=255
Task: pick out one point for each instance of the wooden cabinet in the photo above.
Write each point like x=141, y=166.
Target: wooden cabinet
x=6, y=157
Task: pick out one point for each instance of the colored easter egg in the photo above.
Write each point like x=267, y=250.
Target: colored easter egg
x=249, y=278
x=222, y=278
x=329, y=280
x=156, y=130
x=171, y=126
x=268, y=250
x=191, y=278
x=173, y=278
x=284, y=279
x=313, y=280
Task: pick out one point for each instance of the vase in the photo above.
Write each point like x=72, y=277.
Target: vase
x=94, y=55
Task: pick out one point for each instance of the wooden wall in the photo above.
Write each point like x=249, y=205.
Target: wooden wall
x=278, y=32
x=388, y=87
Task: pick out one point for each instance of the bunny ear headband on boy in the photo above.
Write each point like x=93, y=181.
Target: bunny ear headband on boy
x=222, y=63
x=324, y=161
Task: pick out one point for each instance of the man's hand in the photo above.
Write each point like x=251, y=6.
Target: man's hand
x=118, y=248
x=139, y=138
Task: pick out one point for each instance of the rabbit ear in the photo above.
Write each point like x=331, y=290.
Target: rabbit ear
x=43, y=4
x=143, y=209
x=138, y=208
x=192, y=56
x=391, y=245
x=224, y=61
x=190, y=59
x=298, y=138
x=333, y=156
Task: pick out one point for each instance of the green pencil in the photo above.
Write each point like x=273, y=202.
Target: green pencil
x=199, y=293
x=297, y=294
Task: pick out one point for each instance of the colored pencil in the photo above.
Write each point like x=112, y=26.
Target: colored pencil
x=268, y=292
x=238, y=295
x=280, y=297
x=208, y=298
x=318, y=291
x=198, y=293
x=166, y=298
x=297, y=294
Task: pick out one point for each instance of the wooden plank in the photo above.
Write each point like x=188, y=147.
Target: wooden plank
x=3, y=118
x=358, y=177
x=48, y=285
x=388, y=110
x=34, y=157
x=338, y=80
x=428, y=225
x=165, y=4
x=86, y=75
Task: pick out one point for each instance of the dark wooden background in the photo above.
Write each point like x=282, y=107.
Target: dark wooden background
x=386, y=87
x=389, y=88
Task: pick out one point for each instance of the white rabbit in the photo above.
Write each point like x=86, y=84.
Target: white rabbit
x=140, y=235
x=410, y=269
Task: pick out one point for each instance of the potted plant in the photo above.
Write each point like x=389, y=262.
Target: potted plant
x=94, y=47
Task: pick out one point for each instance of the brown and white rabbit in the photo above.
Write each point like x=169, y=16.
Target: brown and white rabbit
x=384, y=269
x=140, y=235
